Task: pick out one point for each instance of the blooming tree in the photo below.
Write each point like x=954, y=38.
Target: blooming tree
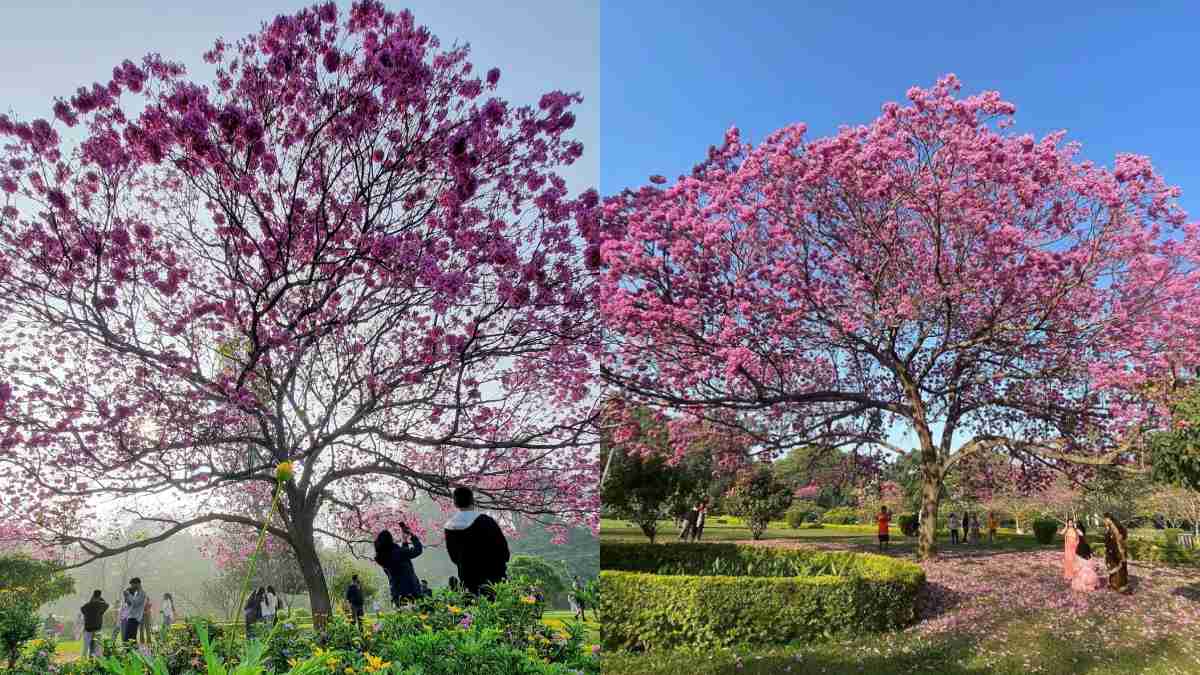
x=343, y=252
x=930, y=270
x=758, y=497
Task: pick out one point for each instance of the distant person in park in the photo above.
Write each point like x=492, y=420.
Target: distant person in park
x=689, y=523
x=425, y=590
x=252, y=610
x=1116, y=554
x=454, y=584
x=884, y=520
x=135, y=600
x=966, y=524
x=122, y=614
x=1078, y=571
x=396, y=561
x=270, y=605
x=975, y=529
x=476, y=544
x=952, y=523
x=93, y=618
x=167, y=613
x=354, y=598
x=701, y=515
x=992, y=524
x=147, y=621
x=577, y=601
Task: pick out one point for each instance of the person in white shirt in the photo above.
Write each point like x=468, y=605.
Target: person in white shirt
x=167, y=610
x=270, y=605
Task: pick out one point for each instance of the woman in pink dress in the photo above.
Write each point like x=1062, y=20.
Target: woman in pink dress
x=1078, y=570
x=1070, y=542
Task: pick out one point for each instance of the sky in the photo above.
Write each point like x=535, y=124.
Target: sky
x=678, y=73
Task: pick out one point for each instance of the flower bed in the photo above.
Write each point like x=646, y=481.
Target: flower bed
x=716, y=595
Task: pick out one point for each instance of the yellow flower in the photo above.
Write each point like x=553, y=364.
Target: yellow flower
x=529, y=599
x=350, y=670
x=293, y=662
x=424, y=616
x=454, y=610
x=284, y=472
x=375, y=663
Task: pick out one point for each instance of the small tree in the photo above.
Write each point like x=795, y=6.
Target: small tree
x=1175, y=504
x=343, y=574
x=41, y=581
x=758, y=497
x=546, y=575
x=18, y=620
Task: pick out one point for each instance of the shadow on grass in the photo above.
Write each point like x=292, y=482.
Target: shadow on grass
x=1189, y=592
x=949, y=656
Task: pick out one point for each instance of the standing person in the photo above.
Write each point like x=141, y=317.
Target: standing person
x=475, y=544
x=135, y=599
x=689, y=523
x=93, y=618
x=952, y=523
x=965, y=524
x=122, y=614
x=701, y=513
x=577, y=599
x=1116, y=554
x=396, y=561
x=454, y=585
x=270, y=605
x=167, y=612
x=147, y=620
x=354, y=598
x=884, y=521
x=425, y=590
x=993, y=524
x=975, y=529
x=251, y=610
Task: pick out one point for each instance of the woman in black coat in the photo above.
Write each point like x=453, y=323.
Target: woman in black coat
x=396, y=561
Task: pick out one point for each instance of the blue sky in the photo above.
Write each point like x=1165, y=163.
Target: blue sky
x=676, y=74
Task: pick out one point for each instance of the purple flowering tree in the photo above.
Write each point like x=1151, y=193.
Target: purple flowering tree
x=385, y=243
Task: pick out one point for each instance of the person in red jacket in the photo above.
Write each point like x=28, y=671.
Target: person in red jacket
x=475, y=544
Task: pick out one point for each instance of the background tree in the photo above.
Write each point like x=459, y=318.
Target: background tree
x=758, y=497
x=1178, y=506
x=388, y=246
x=929, y=272
x=39, y=580
x=641, y=488
x=550, y=577
x=1176, y=458
x=343, y=572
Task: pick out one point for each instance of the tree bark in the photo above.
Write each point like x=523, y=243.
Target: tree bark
x=931, y=488
x=305, y=546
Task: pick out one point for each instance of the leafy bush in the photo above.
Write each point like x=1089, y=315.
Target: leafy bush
x=35, y=657
x=841, y=515
x=812, y=526
x=1170, y=536
x=797, y=516
x=1044, y=530
x=18, y=621
x=1148, y=550
x=908, y=524
x=758, y=497
x=644, y=610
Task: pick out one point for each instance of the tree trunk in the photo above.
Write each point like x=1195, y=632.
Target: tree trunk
x=927, y=539
x=304, y=544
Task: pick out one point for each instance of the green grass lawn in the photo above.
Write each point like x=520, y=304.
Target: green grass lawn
x=1007, y=612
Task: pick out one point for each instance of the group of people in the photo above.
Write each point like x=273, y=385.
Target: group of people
x=970, y=527
x=1079, y=569
x=133, y=618
x=261, y=606
x=474, y=541
x=692, y=523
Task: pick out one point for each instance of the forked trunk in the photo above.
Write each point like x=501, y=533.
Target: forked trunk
x=305, y=547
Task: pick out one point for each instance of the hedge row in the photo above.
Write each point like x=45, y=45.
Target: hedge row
x=642, y=610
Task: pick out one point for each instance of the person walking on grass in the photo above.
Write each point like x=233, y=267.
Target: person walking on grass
x=884, y=520
x=689, y=523
x=475, y=544
x=251, y=611
x=701, y=514
x=270, y=605
x=992, y=524
x=952, y=523
x=147, y=622
x=975, y=529
x=966, y=524
x=93, y=618
x=354, y=598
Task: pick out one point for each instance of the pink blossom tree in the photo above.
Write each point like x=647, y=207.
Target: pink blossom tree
x=343, y=252
x=930, y=270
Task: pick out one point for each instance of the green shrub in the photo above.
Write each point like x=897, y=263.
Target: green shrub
x=797, y=516
x=18, y=622
x=1148, y=550
x=1170, y=536
x=1044, y=530
x=842, y=515
x=908, y=524
x=847, y=593
x=812, y=526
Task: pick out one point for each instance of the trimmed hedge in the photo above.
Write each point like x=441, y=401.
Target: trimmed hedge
x=643, y=610
x=1044, y=530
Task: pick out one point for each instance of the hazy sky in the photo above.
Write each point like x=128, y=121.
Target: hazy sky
x=51, y=47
